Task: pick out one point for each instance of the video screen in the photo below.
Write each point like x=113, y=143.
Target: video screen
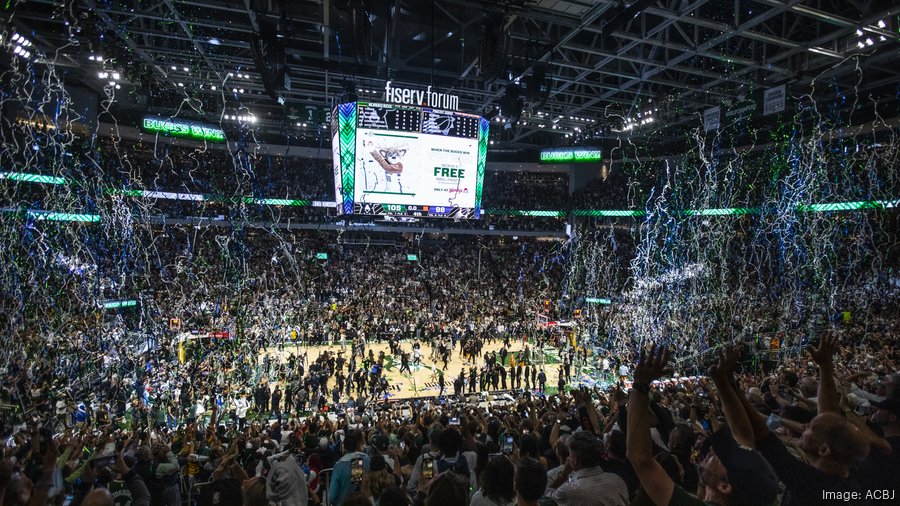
x=414, y=161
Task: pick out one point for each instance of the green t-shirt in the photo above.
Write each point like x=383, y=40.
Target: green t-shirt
x=120, y=493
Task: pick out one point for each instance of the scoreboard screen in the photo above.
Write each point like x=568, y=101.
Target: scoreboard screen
x=394, y=159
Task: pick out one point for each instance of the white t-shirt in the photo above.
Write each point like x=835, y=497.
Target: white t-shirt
x=241, y=406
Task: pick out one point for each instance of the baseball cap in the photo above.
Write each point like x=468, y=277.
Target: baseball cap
x=381, y=442
x=891, y=405
x=752, y=479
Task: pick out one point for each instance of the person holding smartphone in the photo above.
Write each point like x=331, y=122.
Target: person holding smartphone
x=349, y=470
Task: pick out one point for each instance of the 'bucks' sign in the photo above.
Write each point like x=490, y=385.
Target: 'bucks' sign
x=184, y=129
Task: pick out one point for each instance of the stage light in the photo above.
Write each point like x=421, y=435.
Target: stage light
x=869, y=41
x=859, y=32
x=213, y=87
x=174, y=67
x=214, y=41
x=116, y=76
x=881, y=24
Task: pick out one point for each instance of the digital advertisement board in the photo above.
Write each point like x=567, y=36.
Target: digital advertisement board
x=409, y=160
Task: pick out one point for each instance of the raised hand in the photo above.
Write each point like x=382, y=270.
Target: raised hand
x=653, y=366
x=824, y=354
x=119, y=465
x=727, y=364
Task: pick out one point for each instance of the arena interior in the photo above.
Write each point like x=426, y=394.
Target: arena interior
x=449, y=252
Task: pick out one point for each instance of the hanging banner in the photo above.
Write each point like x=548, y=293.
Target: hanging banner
x=741, y=110
x=773, y=100
x=711, y=119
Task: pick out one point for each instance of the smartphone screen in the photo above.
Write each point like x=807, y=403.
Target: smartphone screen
x=454, y=420
x=507, y=444
x=356, y=471
x=428, y=468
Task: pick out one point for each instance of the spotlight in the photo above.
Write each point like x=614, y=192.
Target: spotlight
x=213, y=87
x=869, y=41
x=881, y=24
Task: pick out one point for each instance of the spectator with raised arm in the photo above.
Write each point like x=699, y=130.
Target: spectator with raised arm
x=831, y=444
x=730, y=475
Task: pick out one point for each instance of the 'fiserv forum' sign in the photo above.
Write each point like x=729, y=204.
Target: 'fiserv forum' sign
x=425, y=98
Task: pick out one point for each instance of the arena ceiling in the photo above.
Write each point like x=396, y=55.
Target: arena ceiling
x=580, y=68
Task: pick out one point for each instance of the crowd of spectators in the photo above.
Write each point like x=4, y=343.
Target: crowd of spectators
x=813, y=428
x=92, y=416
x=525, y=190
x=243, y=172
